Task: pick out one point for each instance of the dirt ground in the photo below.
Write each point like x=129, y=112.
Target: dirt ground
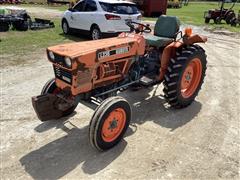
x=201, y=141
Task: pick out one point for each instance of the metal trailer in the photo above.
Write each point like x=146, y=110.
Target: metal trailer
x=23, y=23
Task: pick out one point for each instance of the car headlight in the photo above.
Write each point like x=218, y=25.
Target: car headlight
x=51, y=55
x=68, y=62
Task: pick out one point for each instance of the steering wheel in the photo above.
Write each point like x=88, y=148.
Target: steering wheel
x=141, y=27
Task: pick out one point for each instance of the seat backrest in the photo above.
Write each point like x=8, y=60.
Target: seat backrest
x=167, y=26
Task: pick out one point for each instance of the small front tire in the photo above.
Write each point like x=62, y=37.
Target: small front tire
x=109, y=123
x=207, y=20
x=217, y=20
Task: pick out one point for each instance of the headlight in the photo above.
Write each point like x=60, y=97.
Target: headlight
x=68, y=62
x=51, y=55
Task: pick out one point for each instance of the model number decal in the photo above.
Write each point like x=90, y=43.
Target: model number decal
x=104, y=54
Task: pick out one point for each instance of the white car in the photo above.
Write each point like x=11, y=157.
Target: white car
x=100, y=18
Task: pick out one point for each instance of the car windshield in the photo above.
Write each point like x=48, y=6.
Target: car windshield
x=123, y=8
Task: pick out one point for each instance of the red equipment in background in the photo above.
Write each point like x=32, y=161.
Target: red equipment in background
x=152, y=7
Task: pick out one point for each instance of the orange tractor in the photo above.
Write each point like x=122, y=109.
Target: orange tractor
x=98, y=70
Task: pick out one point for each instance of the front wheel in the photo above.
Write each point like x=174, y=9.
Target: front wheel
x=51, y=88
x=217, y=20
x=65, y=27
x=185, y=76
x=109, y=123
x=207, y=20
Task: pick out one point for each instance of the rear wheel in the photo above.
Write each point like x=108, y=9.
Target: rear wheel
x=229, y=17
x=185, y=76
x=21, y=26
x=109, y=123
x=51, y=88
x=96, y=33
x=234, y=22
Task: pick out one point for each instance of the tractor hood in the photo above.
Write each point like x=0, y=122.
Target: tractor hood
x=74, y=50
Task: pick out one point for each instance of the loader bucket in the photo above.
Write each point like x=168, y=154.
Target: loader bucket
x=45, y=108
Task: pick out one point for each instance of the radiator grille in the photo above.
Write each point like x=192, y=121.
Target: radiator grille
x=59, y=59
x=62, y=74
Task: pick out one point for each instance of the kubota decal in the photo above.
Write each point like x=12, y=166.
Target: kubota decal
x=104, y=54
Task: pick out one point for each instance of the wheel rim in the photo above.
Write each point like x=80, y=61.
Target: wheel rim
x=191, y=78
x=114, y=125
x=65, y=27
x=95, y=34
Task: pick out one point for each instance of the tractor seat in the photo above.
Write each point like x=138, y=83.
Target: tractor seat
x=165, y=31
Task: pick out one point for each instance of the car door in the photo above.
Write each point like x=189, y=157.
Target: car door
x=77, y=16
x=90, y=12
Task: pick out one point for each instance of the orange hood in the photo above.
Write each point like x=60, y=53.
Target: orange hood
x=74, y=50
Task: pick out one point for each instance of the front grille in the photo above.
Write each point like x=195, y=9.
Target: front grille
x=62, y=74
x=59, y=59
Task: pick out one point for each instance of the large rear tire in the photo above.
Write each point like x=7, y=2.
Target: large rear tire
x=21, y=26
x=109, y=123
x=4, y=27
x=51, y=88
x=185, y=76
x=229, y=17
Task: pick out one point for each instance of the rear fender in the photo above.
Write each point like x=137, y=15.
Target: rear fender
x=195, y=38
x=167, y=54
x=170, y=51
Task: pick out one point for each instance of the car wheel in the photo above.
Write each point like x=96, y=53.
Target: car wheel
x=96, y=33
x=65, y=27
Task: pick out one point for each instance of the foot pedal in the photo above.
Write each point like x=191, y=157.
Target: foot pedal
x=146, y=81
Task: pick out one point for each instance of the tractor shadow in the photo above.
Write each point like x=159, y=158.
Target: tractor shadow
x=74, y=152
x=57, y=158
x=148, y=106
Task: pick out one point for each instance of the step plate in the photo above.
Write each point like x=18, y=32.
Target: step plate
x=146, y=81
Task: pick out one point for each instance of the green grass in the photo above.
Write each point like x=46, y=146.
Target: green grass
x=193, y=14
x=57, y=7
x=16, y=42
x=20, y=43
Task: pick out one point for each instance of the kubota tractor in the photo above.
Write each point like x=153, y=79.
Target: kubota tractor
x=100, y=69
